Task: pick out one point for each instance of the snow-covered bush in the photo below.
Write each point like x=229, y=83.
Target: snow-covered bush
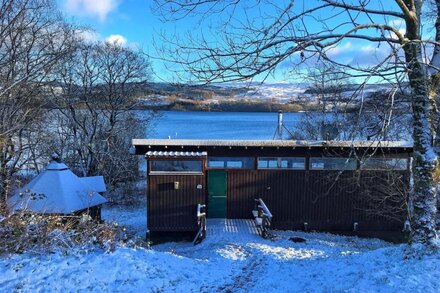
x=34, y=233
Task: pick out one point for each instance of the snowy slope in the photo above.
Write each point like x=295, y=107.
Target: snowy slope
x=230, y=260
x=279, y=92
x=282, y=92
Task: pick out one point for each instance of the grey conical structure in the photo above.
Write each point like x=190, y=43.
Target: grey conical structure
x=57, y=190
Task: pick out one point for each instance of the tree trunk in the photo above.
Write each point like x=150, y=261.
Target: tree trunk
x=424, y=192
x=4, y=190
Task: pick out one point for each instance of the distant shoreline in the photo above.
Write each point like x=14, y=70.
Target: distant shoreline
x=228, y=106
x=250, y=108
x=236, y=106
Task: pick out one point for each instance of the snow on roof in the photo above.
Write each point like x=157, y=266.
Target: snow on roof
x=176, y=154
x=57, y=190
x=95, y=182
x=270, y=143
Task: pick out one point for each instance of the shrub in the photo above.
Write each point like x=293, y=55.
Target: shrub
x=35, y=233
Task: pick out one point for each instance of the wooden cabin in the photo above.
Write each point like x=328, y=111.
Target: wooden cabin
x=307, y=185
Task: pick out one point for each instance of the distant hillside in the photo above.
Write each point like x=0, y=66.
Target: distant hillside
x=240, y=96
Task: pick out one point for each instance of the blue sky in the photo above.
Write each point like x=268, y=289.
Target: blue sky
x=131, y=19
x=132, y=22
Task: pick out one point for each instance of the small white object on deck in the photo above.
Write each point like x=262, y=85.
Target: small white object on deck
x=259, y=221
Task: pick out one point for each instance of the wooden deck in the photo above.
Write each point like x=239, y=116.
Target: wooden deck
x=231, y=226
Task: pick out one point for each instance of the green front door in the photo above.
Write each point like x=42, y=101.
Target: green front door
x=217, y=194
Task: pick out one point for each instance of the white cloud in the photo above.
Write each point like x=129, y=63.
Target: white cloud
x=368, y=49
x=90, y=36
x=358, y=53
x=91, y=8
x=402, y=32
x=116, y=39
x=398, y=24
x=369, y=55
x=339, y=49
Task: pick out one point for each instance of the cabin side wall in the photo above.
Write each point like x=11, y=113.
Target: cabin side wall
x=313, y=197
x=171, y=209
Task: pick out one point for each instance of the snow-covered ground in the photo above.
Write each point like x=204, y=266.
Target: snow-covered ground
x=231, y=259
x=133, y=218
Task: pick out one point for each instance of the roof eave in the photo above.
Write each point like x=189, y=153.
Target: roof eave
x=267, y=143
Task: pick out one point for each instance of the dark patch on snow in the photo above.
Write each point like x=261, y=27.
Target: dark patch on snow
x=297, y=239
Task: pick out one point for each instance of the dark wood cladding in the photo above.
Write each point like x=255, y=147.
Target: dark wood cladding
x=174, y=210
x=325, y=200
x=382, y=199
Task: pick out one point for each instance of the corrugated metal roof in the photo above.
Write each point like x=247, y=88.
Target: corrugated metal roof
x=270, y=143
x=176, y=154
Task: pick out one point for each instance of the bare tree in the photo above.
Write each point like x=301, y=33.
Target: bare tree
x=383, y=115
x=343, y=110
x=94, y=121
x=257, y=41
x=327, y=93
x=387, y=198
x=33, y=39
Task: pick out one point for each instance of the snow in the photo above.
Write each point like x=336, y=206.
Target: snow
x=233, y=258
x=282, y=93
x=133, y=218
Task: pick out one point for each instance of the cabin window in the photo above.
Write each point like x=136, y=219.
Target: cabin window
x=385, y=164
x=230, y=162
x=176, y=166
x=281, y=163
x=332, y=164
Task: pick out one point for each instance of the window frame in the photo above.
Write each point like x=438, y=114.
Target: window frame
x=225, y=167
x=152, y=172
x=279, y=160
x=355, y=161
x=382, y=169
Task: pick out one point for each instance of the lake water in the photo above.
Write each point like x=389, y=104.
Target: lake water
x=219, y=125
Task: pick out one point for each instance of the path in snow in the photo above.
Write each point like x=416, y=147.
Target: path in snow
x=231, y=259
x=252, y=263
